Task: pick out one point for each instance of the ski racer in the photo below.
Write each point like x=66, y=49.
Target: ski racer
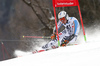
x=68, y=35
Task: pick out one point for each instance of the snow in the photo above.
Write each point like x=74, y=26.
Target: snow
x=78, y=55
x=84, y=54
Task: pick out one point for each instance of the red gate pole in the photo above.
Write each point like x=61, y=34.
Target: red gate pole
x=3, y=48
x=3, y=52
x=56, y=26
x=81, y=21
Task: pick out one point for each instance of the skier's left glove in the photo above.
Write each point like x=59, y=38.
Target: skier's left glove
x=53, y=36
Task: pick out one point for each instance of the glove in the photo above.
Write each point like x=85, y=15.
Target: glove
x=64, y=43
x=53, y=36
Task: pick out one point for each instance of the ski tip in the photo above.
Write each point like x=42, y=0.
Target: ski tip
x=76, y=44
x=41, y=50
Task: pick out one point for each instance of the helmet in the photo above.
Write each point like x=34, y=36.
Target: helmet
x=63, y=14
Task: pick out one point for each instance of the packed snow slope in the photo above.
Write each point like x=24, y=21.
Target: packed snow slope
x=78, y=55
x=84, y=54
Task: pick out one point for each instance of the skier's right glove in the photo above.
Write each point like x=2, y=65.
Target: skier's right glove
x=64, y=43
x=53, y=36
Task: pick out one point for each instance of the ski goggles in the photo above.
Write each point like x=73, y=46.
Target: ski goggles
x=62, y=19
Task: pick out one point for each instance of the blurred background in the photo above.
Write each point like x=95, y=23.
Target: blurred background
x=20, y=18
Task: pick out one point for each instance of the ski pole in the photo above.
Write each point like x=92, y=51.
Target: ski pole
x=36, y=37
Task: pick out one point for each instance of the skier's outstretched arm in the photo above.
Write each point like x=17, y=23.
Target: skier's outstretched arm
x=59, y=24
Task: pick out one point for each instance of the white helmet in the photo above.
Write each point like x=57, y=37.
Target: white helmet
x=63, y=14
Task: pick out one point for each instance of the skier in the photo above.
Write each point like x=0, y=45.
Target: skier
x=68, y=35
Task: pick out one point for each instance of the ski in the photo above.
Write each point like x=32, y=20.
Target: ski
x=38, y=51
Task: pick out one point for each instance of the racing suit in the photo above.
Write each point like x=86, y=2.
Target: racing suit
x=70, y=33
